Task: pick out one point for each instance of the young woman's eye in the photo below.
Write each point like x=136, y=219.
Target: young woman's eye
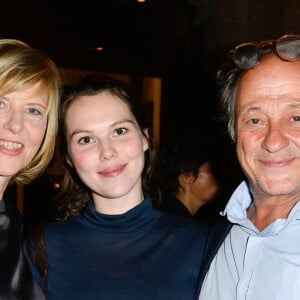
x=120, y=131
x=296, y=118
x=85, y=140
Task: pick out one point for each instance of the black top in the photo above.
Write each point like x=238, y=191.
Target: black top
x=16, y=282
x=207, y=214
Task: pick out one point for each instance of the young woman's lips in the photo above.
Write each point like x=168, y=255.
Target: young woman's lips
x=112, y=172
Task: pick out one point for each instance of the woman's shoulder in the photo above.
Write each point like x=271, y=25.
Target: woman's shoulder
x=60, y=227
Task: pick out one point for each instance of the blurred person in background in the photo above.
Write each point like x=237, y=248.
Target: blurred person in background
x=189, y=176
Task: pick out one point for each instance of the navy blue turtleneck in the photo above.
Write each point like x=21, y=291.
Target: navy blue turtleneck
x=142, y=254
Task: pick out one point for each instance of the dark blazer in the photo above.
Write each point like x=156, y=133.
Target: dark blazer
x=16, y=282
x=216, y=237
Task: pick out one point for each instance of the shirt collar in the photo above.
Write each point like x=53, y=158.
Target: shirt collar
x=236, y=211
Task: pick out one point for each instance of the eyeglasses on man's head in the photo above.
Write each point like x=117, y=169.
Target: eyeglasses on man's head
x=249, y=55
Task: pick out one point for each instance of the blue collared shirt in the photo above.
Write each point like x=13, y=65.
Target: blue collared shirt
x=253, y=264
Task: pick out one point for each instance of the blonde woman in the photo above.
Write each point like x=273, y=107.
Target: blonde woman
x=29, y=99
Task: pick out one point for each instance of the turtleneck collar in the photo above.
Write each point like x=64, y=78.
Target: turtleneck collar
x=133, y=220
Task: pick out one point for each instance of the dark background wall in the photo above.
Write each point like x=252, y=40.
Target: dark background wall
x=180, y=41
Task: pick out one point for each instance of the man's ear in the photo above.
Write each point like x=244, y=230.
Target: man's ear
x=186, y=179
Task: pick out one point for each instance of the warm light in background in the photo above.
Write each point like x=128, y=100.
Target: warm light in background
x=141, y=1
x=56, y=185
x=99, y=49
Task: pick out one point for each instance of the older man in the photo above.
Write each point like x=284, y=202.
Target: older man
x=255, y=253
